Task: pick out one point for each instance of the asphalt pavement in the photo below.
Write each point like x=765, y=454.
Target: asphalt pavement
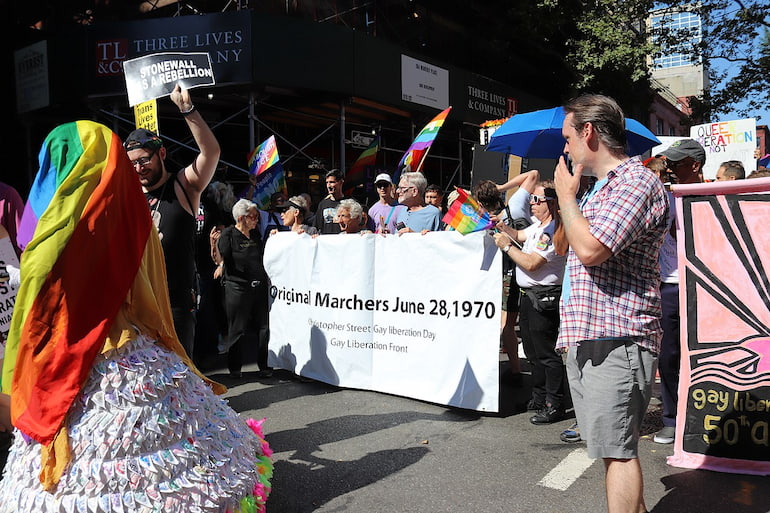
x=345, y=450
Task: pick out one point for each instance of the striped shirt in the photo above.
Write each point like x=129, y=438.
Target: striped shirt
x=619, y=297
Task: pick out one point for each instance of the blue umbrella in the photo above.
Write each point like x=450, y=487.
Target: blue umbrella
x=537, y=135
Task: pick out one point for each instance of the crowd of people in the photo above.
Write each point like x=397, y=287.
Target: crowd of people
x=191, y=291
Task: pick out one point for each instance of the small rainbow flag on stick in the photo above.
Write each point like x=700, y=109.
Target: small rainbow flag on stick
x=263, y=156
x=264, y=163
x=417, y=152
x=465, y=214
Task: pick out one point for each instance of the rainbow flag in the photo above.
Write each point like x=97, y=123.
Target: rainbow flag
x=85, y=227
x=416, y=152
x=356, y=175
x=263, y=156
x=265, y=164
x=466, y=216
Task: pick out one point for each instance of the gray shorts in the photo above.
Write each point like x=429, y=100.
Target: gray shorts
x=611, y=385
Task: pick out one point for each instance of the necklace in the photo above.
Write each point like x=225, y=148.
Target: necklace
x=154, y=214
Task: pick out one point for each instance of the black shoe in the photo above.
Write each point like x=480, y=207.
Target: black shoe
x=547, y=415
x=533, y=405
x=235, y=375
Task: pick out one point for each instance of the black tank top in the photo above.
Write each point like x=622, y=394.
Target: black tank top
x=176, y=228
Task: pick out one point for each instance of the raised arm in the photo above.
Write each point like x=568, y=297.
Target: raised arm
x=526, y=181
x=201, y=171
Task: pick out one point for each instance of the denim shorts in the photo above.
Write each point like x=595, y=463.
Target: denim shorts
x=611, y=385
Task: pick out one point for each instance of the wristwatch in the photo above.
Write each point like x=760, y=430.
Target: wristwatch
x=507, y=248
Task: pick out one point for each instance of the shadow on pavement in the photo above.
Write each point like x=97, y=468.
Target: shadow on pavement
x=300, y=487
x=305, y=481
x=703, y=491
x=291, y=387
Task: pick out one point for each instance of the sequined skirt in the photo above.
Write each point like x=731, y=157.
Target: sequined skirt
x=146, y=435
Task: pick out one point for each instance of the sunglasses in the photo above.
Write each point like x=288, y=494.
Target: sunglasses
x=536, y=200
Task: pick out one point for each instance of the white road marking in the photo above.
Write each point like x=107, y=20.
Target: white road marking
x=568, y=470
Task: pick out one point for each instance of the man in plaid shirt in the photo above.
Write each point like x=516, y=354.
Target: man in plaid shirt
x=610, y=311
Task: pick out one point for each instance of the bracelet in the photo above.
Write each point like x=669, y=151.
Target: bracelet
x=188, y=111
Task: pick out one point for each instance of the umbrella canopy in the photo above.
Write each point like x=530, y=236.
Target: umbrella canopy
x=537, y=135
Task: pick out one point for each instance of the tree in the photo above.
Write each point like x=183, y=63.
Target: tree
x=735, y=46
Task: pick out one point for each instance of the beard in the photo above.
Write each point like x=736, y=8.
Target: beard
x=149, y=178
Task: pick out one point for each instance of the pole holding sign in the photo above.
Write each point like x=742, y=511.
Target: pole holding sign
x=155, y=76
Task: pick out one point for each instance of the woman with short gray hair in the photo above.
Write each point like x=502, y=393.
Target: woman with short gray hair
x=245, y=282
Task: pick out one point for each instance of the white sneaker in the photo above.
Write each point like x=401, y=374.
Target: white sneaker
x=665, y=435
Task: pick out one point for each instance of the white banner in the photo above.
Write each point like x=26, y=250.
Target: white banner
x=412, y=315
x=7, y=293
x=727, y=140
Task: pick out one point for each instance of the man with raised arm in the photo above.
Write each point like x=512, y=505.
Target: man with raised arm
x=173, y=197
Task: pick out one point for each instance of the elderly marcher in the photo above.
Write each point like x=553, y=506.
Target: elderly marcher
x=293, y=215
x=610, y=313
x=245, y=281
x=351, y=218
x=417, y=217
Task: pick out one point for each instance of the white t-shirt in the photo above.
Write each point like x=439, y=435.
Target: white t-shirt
x=518, y=204
x=540, y=241
x=668, y=259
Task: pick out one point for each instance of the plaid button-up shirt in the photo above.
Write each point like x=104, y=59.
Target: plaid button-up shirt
x=620, y=297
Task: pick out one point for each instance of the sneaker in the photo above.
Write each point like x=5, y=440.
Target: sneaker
x=665, y=435
x=571, y=434
x=548, y=415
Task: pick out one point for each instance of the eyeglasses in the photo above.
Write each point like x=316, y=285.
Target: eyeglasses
x=673, y=164
x=399, y=188
x=536, y=200
x=252, y=216
x=143, y=161
x=383, y=185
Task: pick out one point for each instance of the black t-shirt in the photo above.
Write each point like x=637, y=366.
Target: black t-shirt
x=242, y=255
x=176, y=228
x=324, y=216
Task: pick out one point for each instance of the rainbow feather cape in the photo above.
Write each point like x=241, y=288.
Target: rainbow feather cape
x=85, y=228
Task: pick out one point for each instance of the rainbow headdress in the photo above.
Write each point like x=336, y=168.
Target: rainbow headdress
x=85, y=229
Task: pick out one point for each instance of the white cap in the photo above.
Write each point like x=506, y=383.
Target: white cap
x=383, y=177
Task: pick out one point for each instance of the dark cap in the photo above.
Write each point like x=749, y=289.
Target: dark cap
x=684, y=148
x=142, y=138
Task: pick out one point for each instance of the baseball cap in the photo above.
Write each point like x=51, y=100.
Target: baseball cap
x=684, y=148
x=383, y=177
x=142, y=138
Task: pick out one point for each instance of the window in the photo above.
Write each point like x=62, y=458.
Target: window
x=689, y=24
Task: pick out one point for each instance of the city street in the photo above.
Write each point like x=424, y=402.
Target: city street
x=358, y=451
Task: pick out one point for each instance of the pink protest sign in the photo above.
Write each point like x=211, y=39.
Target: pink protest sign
x=723, y=417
